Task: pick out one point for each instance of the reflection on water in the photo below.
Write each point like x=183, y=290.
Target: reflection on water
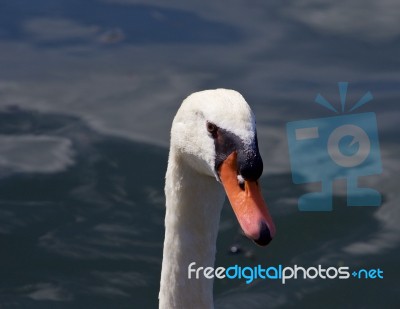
x=87, y=91
x=78, y=235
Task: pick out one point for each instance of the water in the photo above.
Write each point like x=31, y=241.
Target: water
x=87, y=95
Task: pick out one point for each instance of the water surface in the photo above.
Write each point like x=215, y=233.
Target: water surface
x=88, y=91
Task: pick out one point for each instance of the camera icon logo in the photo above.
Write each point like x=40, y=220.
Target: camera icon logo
x=343, y=146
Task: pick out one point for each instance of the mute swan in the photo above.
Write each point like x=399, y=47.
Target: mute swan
x=213, y=139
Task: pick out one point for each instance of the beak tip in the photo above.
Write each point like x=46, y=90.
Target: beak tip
x=264, y=236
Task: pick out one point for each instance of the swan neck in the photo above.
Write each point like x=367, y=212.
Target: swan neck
x=193, y=206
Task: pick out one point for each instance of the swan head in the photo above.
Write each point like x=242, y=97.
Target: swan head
x=214, y=132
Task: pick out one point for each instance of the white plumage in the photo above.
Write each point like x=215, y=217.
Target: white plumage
x=194, y=197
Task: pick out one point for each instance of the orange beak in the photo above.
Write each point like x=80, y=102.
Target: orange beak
x=247, y=203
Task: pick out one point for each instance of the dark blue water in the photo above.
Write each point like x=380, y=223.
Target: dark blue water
x=88, y=91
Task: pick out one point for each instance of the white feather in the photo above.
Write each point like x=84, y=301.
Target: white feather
x=193, y=198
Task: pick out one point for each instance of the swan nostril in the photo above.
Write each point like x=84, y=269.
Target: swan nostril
x=265, y=235
x=240, y=181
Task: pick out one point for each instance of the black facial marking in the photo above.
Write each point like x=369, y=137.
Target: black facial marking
x=249, y=162
x=225, y=143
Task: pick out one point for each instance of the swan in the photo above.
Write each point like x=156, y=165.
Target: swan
x=213, y=142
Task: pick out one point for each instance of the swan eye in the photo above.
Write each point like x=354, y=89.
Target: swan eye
x=212, y=128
